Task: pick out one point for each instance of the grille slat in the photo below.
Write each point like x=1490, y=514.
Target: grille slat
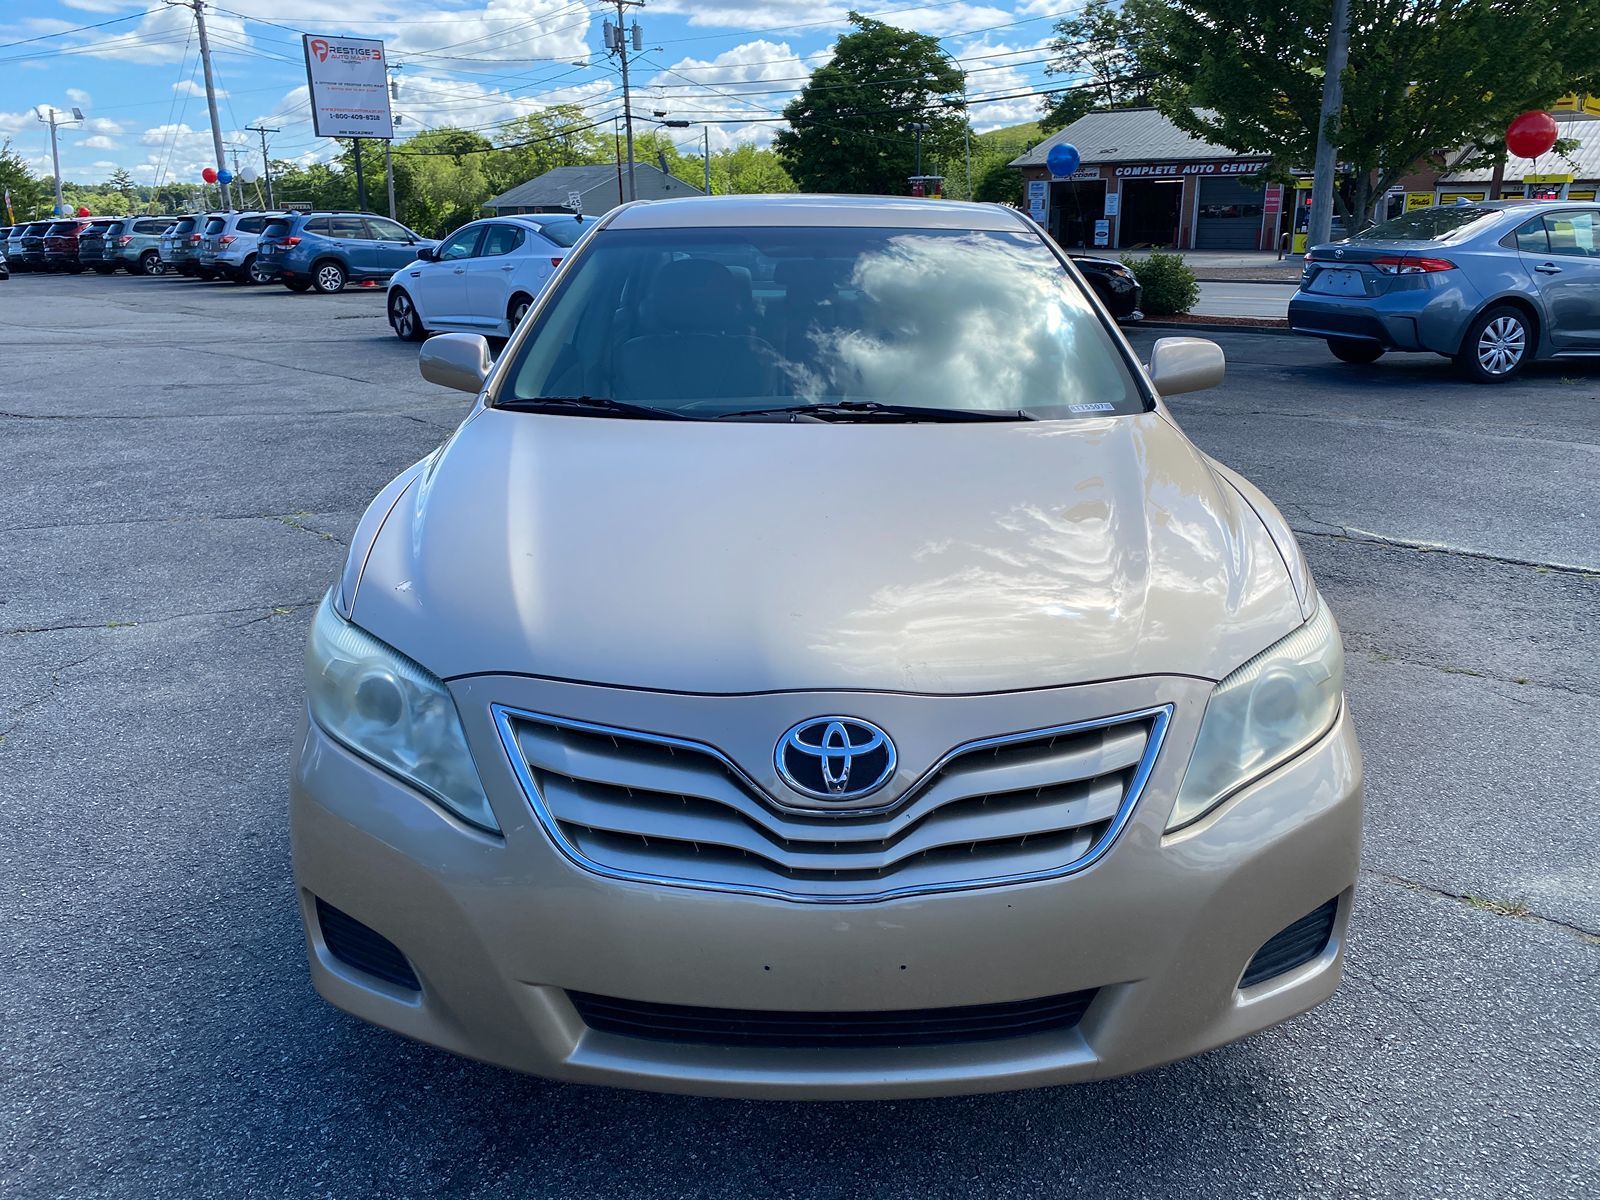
x=692, y=819
x=673, y=810
x=820, y=1030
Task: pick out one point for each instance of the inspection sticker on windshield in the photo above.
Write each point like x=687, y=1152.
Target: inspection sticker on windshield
x=1101, y=407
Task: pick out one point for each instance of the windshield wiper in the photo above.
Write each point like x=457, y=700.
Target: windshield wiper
x=601, y=406
x=848, y=410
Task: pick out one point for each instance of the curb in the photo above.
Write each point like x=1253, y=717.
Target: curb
x=1294, y=282
x=1201, y=327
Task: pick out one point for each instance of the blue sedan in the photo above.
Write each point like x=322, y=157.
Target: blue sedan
x=1492, y=286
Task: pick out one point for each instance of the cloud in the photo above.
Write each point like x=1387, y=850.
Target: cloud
x=98, y=142
x=79, y=97
x=102, y=125
x=188, y=87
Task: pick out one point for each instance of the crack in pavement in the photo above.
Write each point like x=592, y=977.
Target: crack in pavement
x=176, y=520
x=1365, y=537
x=1589, y=936
x=290, y=605
x=1381, y=655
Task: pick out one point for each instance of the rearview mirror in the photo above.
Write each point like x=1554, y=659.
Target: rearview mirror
x=427, y=253
x=456, y=360
x=1186, y=364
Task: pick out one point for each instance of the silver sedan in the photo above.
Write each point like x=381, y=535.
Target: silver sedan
x=1492, y=286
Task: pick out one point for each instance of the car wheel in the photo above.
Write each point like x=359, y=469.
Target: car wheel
x=519, y=309
x=1497, y=346
x=404, y=319
x=1355, y=350
x=329, y=277
x=150, y=263
x=297, y=285
x=255, y=271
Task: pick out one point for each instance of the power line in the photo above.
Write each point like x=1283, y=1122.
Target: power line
x=45, y=37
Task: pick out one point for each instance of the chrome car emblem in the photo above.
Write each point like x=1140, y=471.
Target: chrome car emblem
x=835, y=758
x=1338, y=253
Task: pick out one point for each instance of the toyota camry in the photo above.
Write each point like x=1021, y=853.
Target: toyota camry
x=820, y=666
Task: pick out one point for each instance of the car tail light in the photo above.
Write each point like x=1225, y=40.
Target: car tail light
x=194, y=237
x=123, y=241
x=227, y=239
x=289, y=241
x=1412, y=265
x=555, y=262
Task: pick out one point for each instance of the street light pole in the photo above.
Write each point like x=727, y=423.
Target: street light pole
x=1320, y=226
x=919, y=128
x=266, y=163
x=55, y=150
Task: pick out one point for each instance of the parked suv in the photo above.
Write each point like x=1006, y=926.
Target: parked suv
x=13, y=247
x=61, y=243
x=327, y=250
x=228, y=245
x=136, y=248
x=94, y=246
x=31, y=252
x=180, y=245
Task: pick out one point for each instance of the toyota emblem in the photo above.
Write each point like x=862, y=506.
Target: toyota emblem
x=835, y=758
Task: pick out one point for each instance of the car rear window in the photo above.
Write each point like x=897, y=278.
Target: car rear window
x=563, y=233
x=216, y=225
x=707, y=322
x=184, y=225
x=277, y=229
x=1430, y=224
x=251, y=224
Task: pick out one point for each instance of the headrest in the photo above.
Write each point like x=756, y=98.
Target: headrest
x=696, y=295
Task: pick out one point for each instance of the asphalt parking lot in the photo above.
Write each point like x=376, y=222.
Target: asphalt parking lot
x=180, y=466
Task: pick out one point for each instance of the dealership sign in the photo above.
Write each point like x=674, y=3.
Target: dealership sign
x=1226, y=168
x=349, y=87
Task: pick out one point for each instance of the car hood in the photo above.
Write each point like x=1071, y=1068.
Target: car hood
x=756, y=556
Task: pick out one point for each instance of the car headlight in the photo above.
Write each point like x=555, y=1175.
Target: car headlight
x=392, y=712
x=1263, y=714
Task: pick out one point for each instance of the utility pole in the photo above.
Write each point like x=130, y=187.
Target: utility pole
x=919, y=128
x=361, y=179
x=266, y=163
x=705, y=154
x=1320, y=227
x=51, y=120
x=388, y=142
x=617, y=38
x=199, y=8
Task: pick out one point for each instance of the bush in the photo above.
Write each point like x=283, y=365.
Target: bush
x=1169, y=285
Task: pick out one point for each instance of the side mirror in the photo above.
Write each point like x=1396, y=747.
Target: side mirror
x=1186, y=364
x=427, y=254
x=456, y=360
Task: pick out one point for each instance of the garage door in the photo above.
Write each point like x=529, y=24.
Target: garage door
x=1230, y=215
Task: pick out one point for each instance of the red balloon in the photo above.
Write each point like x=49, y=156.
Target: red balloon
x=83, y=212
x=1531, y=134
x=210, y=173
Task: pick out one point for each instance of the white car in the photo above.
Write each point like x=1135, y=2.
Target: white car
x=483, y=278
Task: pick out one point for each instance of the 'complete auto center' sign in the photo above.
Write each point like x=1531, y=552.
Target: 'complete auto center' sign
x=1223, y=168
x=349, y=87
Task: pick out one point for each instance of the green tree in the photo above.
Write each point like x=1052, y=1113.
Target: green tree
x=30, y=195
x=1425, y=77
x=553, y=137
x=847, y=128
x=1096, y=46
x=748, y=170
x=121, y=181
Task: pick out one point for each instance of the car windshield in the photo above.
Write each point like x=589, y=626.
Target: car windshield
x=708, y=322
x=562, y=233
x=1430, y=224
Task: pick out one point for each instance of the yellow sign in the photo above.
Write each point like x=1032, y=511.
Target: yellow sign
x=1572, y=102
x=1452, y=197
x=1557, y=178
x=1416, y=200
x=1586, y=194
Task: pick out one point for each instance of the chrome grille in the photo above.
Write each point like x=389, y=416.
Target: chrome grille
x=646, y=807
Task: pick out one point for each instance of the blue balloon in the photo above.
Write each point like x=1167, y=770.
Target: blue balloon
x=1063, y=159
x=224, y=176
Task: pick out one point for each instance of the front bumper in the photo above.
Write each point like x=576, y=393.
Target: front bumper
x=498, y=932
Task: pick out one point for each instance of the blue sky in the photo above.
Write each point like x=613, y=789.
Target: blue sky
x=476, y=63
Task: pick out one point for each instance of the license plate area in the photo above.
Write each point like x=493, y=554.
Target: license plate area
x=1338, y=281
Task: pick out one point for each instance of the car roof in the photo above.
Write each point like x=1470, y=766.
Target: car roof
x=839, y=212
